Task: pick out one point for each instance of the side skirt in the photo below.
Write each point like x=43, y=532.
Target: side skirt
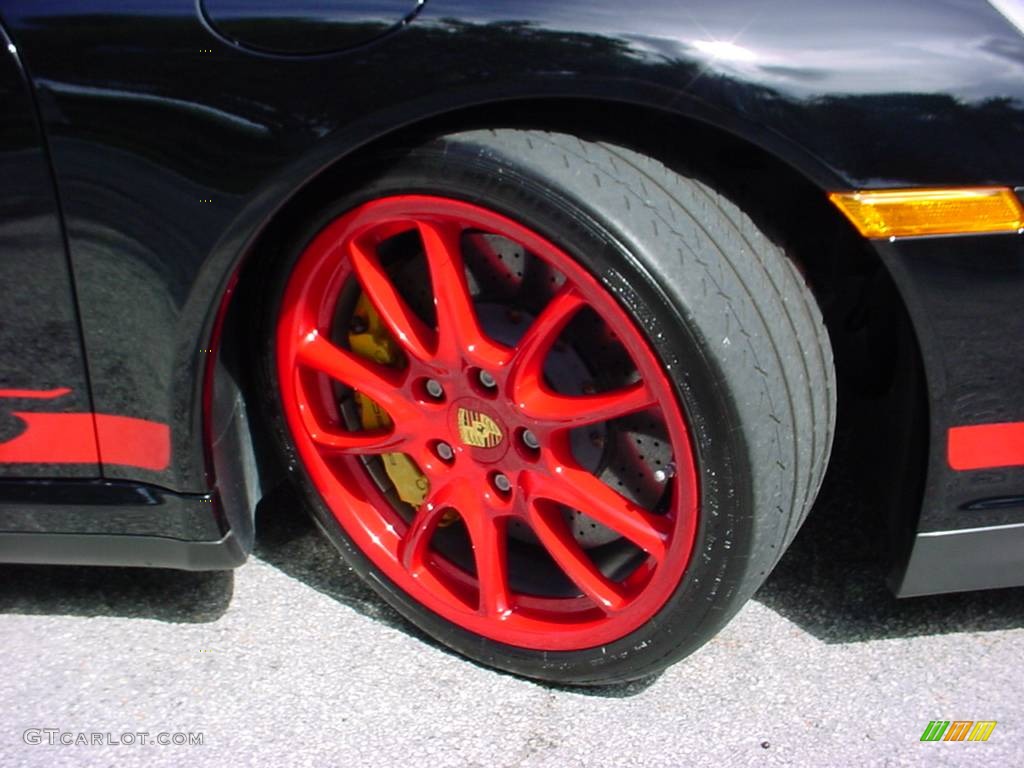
x=99, y=522
x=958, y=561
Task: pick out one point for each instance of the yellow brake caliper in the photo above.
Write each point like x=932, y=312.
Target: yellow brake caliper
x=373, y=342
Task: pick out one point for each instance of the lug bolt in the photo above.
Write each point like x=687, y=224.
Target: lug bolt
x=434, y=389
x=445, y=451
x=502, y=483
x=665, y=473
x=530, y=440
x=487, y=380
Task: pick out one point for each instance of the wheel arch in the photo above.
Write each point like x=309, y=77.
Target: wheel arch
x=782, y=190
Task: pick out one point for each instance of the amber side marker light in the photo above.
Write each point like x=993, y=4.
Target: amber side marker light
x=916, y=212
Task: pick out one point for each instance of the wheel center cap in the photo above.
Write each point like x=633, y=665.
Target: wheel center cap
x=480, y=429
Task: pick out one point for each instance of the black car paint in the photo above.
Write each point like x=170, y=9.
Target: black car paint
x=305, y=26
x=40, y=345
x=174, y=142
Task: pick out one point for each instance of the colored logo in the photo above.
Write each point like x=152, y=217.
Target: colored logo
x=958, y=730
x=478, y=429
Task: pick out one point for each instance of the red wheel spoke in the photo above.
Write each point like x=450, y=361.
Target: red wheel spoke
x=581, y=410
x=557, y=538
x=415, y=544
x=459, y=332
x=376, y=381
x=533, y=396
x=333, y=440
x=579, y=489
x=488, y=535
x=403, y=323
x=533, y=348
x=370, y=441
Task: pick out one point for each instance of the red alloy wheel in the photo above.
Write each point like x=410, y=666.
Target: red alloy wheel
x=493, y=436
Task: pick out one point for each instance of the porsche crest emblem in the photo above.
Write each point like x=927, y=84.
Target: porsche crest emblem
x=478, y=429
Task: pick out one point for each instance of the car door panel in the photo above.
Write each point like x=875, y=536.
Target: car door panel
x=46, y=425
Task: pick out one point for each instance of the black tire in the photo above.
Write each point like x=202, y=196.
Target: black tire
x=730, y=317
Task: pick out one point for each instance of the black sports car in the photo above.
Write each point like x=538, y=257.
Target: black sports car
x=546, y=308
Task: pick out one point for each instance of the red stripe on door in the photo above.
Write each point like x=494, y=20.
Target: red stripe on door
x=35, y=394
x=987, y=446
x=71, y=438
x=52, y=438
x=68, y=438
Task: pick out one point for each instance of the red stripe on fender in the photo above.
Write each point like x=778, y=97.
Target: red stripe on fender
x=133, y=442
x=987, y=446
x=70, y=438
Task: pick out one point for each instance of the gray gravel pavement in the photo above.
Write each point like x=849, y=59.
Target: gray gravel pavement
x=291, y=661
